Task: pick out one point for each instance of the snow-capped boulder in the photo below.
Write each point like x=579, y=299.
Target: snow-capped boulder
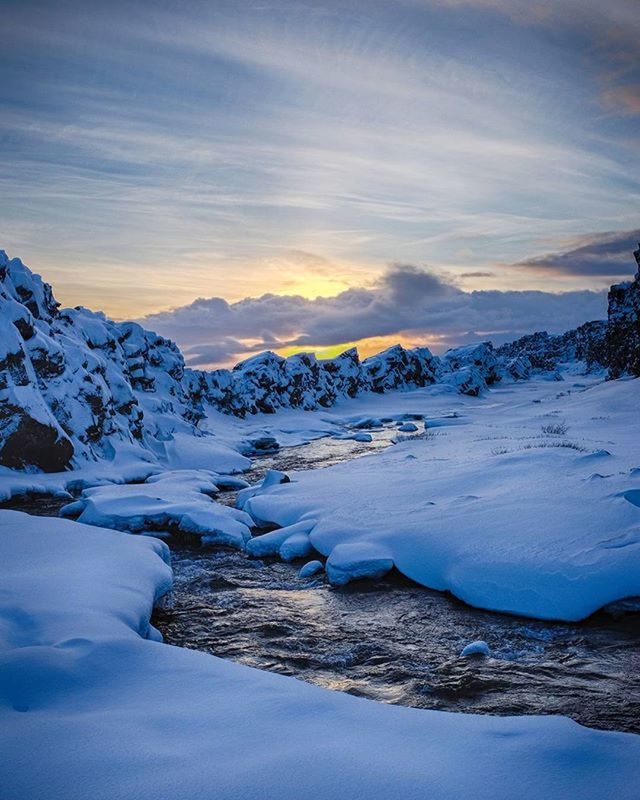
x=472, y=368
x=408, y=427
x=623, y=335
x=30, y=435
x=309, y=384
x=311, y=568
x=466, y=380
x=477, y=648
x=518, y=368
x=397, y=368
x=261, y=383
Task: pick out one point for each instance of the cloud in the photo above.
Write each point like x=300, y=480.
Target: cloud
x=210, y=137
x=411, y=286
x=602, y=254
x=407, y=301
x=219, y=352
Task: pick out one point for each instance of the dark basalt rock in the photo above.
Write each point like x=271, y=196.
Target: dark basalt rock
x=623, y=335
x=397, y=368
x=264, y=445
x=545, y=352
x=345, y=372
x=35, y=444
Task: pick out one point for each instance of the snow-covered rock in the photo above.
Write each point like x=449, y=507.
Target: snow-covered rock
x=477, y=648
x=518, y=368
x=289, y=543
x=267, y=382
x=69, y=379
x=408, y=427
x=76, y=386
x=545, y=352
x=311, y=568
x=356, y=560
x=471, y=369
x=177, y=502
x=623, y=335
x=397, y=368
x=345, y=372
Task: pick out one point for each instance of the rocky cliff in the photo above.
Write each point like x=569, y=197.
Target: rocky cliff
x=613, y=343
x=623, y=334
x=75, y=385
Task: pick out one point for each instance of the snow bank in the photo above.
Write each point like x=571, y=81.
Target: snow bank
x=174, y=500
x=90, y=708
x=521, y=509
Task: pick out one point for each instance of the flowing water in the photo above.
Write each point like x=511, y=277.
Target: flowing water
x=391, y=640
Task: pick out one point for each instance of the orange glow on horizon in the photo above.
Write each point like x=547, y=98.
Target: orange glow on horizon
x=368, y=347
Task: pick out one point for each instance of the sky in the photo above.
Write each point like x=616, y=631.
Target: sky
x=311, y=175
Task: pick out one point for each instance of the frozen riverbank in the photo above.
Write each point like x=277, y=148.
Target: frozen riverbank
x=392, y=641
x=524, y=500
x=93, y=707
x=526, y=503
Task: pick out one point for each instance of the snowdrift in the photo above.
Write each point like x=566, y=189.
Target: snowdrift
x=92, y=706
x=531, y=507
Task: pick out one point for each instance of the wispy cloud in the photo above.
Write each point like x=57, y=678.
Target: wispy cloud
x=216, y=140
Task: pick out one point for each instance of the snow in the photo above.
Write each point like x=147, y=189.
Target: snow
x=495, y=505
x=487, y=504
x=125, y=468
x=311, y=568
x=185, y=451
x=408, y=427
x=92, y=705
x=352, y=560
x=176, y=500
x=289, y=542
x=78, y=387
x=477, y=648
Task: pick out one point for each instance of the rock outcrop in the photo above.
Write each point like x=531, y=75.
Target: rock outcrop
x=266, y=382
x=75, y=385
x=68, y=379
x=471, y=369
x=546, y=352
x=623, y=335
x=613, y=343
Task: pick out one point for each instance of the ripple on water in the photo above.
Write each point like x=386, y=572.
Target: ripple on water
x=399, y=643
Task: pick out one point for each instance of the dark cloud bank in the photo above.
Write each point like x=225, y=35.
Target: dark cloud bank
x=603, y=254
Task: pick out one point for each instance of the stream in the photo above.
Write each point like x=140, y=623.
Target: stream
x=391, y=640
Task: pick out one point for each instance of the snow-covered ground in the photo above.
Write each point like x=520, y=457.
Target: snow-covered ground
x=526, y=499
x=94, y=707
